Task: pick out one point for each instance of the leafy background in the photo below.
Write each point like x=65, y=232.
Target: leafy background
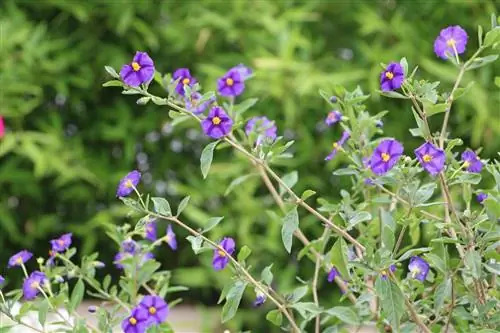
x=70, y=140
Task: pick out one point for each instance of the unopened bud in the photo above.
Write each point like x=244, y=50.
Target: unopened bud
x=333, y=99
x=92, y=309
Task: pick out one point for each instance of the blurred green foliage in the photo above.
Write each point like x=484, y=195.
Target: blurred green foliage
x=69, y=140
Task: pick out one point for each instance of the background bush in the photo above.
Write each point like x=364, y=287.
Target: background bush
x=69, y=140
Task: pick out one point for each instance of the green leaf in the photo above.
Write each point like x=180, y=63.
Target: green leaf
x=358, y=217
x=404, y=64
x=275, y=317
x=131, y=203
x=391, y=301
x=212, y=223
x=233, y=300
x=480, y=62
x=467, y=178
x=245, y=105
x=76, y=295
x=290, y=179
x=338, y=257
x=307, y=308
x=206, y=158
x=432, y=109
x=237, y=182
x=182, y=205
x=297, y=294
x=161, y=206
x=244, y=253
x=42, y=312
x=388, y=230
x=143, y=100
x=196, y=243
x=267, y=275
x=146, y=271
x=473, y=262
x=290, y=224
x=492, y=37
x=307, y=194
x=345, y=314
x=393, y=94
x=414, y=252
x=459, y=92
x=159, y=100
x=436, y=262
x=424, y=193
x=111, y=71
x=442, y=293
x=113, y=83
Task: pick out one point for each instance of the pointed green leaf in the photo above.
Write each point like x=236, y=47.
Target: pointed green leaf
x=182, y=205
x=76, y=295
x=161, y=206
x=290, y=224
x=206, y=158
x=275, y=317
x=233, y=300
x=391, y=301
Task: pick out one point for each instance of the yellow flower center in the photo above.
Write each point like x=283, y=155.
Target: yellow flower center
x=384, y=272
x=128, y=183
x=335, y=145
x=186, y=80
x=216, y=120
x=466, y=164
x=152, y=310
x=415, y=272
x=132, y=320
x=389, y=75
x=332, y=116
x=451, y=42
x=167, y=238
x=34, y=285
x=221, y=253
x=427, y=158
x=385, y=157
x=229, y=81
x=136, y=66
x=60, y=242
x=19, y=260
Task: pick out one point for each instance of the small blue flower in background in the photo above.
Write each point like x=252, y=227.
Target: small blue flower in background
x=20, y=258
x=265, y=128
x=379, y=124
x=156, y=308
x=472, y=163
x=332, y=274
x=220, y=259
x=259, y=299
x=333, y=117
x=244, y=71
x=193, y=105
x=419, y=268
x=384, y=274
x=392, y=77
x=431, y=158
x=451, y=41
x=128, y=183
x=137, y=322
x=32, y=285
x=2, y=280
x=130, y=246
x=170, y=238
x=231, y=84
x=337, y=145
x=62, y=243
x=481, y=197
x=217, y=124
x=141, y=70
x=385, y=156
x=185, y=79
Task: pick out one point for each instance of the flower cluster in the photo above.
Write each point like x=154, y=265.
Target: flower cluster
x=151, y=311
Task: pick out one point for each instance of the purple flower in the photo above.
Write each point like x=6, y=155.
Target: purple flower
x=128, y=183
x=384, y=274
x=481, y=197
x=20, y=258
x=265, y=128
x=385, y=156
x=217, y=124
x=231, y=84
x=379, y=124
x=392, y=77
x=185, y=79
x=156, y=308
x=124, y=255
x=137, y=322
x=62, y=243
x=193, y=105
x=32, y=285
x=129, y=246
x=431, y=158
x=92, y=309
x=141, y=70
x=333, y=99
x=333, y=117
x=259, y=299
x=451, y=40
x=471, y=162
x=221, y=259
x=369, y=181
x=332, y=274
x=337, y=145
x=245, y=72
x=151, y=230
x=2, y=280
x=419, y=268
x=170, y=238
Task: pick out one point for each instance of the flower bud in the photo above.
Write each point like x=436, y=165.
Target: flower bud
x=333, y=99
x=92, y=309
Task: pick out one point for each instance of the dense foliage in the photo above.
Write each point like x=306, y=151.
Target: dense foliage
x=68, y=141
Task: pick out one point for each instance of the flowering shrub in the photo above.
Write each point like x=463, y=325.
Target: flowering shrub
x=450, y=283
